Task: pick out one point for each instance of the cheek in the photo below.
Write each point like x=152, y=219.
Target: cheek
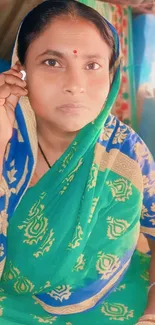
x=39, y=83
x=37, y=97
x=41, y=90
x=99, y=87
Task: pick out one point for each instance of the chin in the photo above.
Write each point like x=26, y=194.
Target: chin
x=74, y=127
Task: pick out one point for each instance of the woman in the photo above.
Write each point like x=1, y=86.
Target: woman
x=74, y=179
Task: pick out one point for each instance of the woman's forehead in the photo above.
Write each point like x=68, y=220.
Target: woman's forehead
x=67, y=27
x=74, y=35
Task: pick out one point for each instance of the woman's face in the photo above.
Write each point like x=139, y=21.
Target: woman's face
x=68, y=74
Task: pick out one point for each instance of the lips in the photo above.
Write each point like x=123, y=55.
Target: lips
x=72, y=107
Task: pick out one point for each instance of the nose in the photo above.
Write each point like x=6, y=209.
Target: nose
x=74, y=83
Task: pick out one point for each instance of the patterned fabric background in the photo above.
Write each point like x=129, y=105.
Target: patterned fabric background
x=121, y=18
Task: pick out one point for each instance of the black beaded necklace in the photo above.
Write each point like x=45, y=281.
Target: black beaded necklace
x=42, y=152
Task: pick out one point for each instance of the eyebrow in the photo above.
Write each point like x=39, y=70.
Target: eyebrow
x=62, y=55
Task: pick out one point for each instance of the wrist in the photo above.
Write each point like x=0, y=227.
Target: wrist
x=3, y=140
x=3, y=144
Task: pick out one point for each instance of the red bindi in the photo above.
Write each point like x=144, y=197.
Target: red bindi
x=75, y=51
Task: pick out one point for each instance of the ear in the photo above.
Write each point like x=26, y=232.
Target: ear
x=21, y=67
x=18, y=62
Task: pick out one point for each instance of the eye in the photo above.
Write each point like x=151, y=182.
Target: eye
x=93, y=66
x=52, y=63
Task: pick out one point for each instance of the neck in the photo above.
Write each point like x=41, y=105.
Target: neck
x=53, y=139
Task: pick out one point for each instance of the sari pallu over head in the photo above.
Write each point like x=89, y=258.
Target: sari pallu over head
x=71, y=209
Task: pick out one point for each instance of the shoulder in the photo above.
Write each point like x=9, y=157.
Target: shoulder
x=119, y=136
x=126, y=154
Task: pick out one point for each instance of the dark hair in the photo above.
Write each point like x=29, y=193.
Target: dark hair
x=41, y=16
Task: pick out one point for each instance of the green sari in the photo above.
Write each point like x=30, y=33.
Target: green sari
x=70, y=256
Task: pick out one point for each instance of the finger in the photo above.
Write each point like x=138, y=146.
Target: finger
x=2, y=101
x=16, y=67
x=18, y=91
x=6, y=90
x=13, y=80
x=2, y=79
x=11, y=102
x=14, y=73
x=11, y=105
